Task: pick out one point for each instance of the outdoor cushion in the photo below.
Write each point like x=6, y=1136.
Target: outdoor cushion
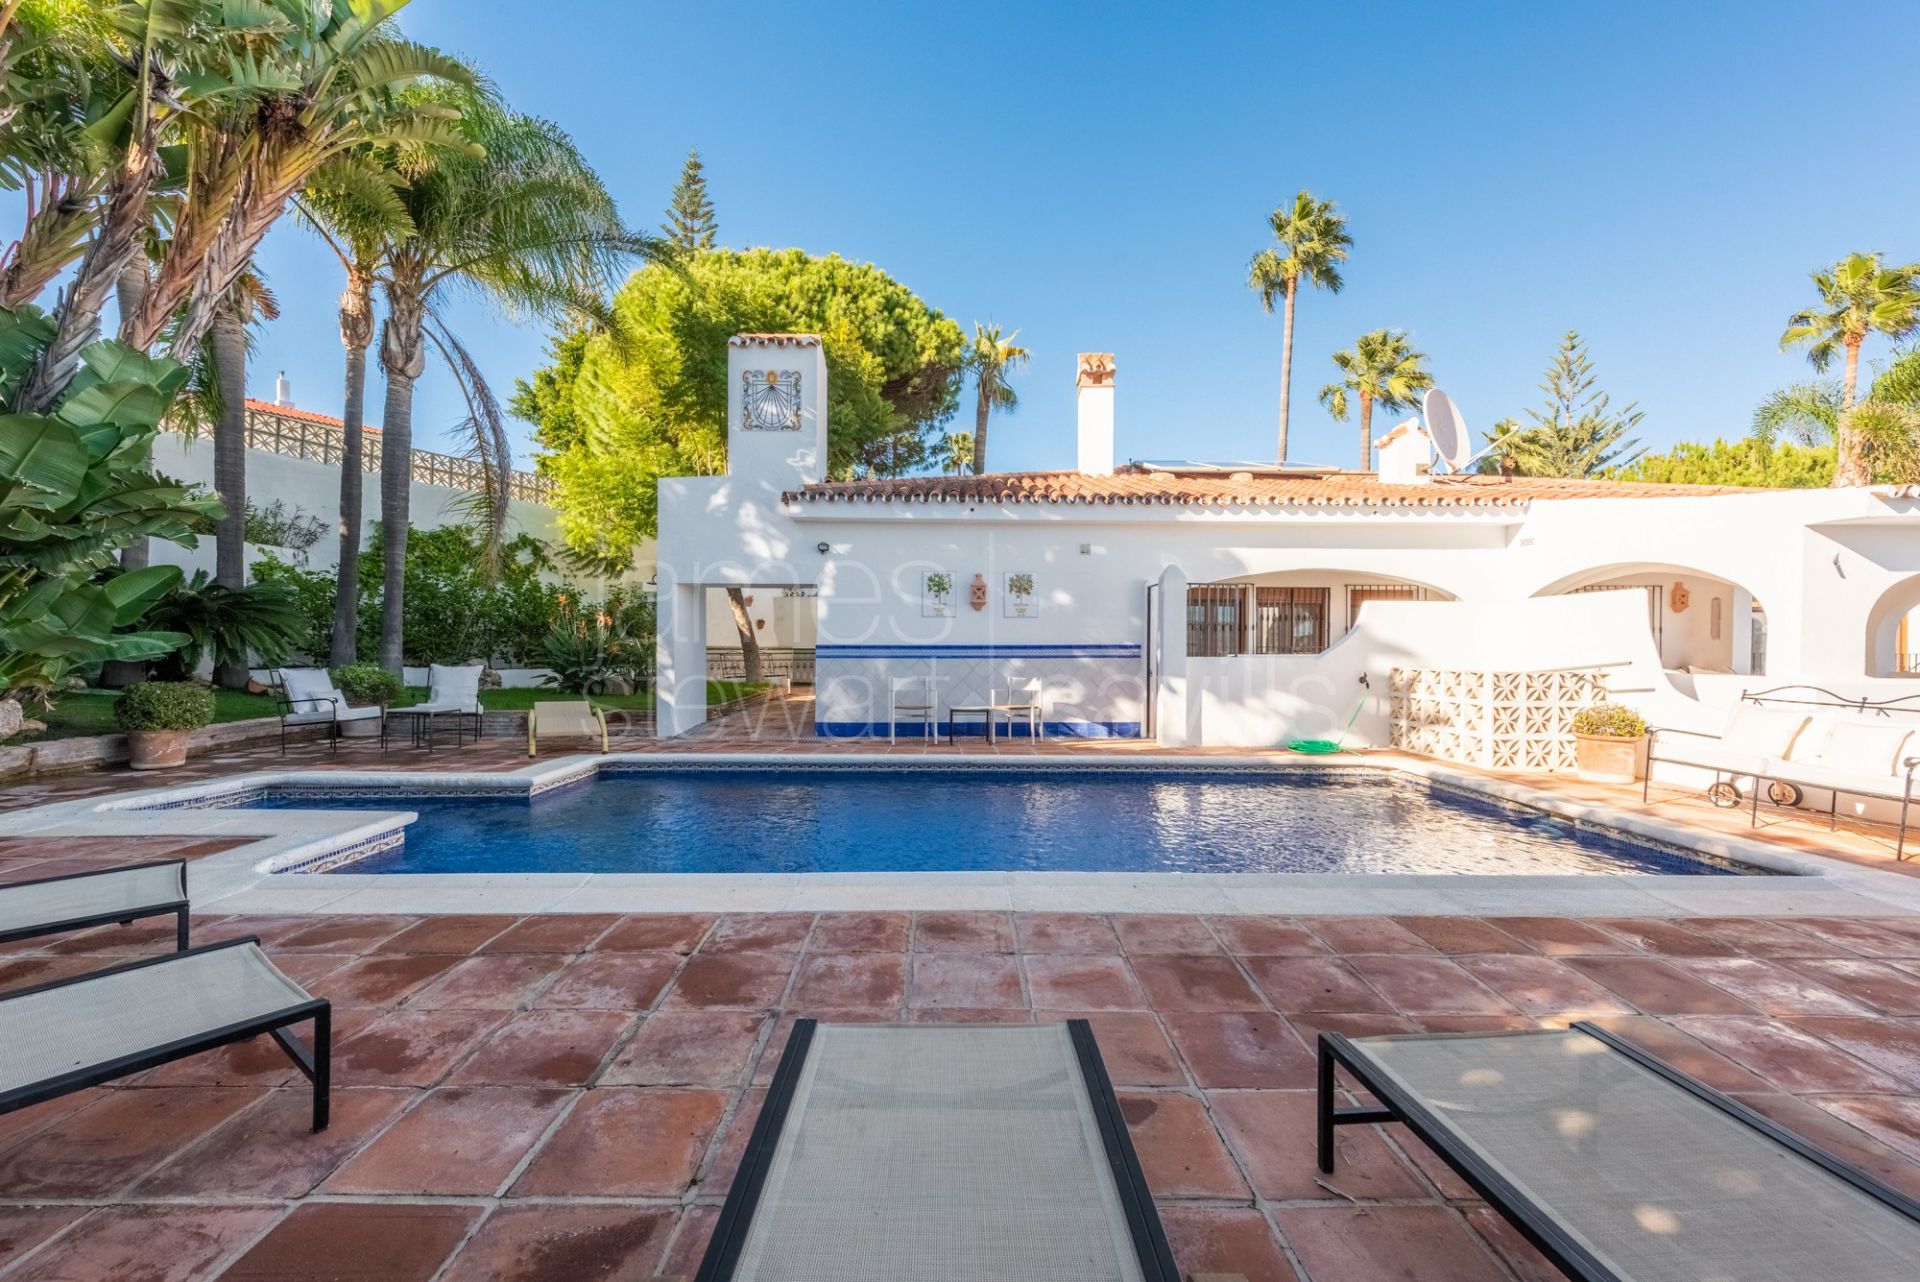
x=1811, y=774
x=453, y=689
x=311, y=687
x=1860, y=747
x=1763, y=732
x=320, y=716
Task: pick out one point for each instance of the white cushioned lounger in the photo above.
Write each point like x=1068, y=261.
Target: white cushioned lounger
x=78, y=900
x=1622, y=1169
x=886, y=1153
x=92, y=1028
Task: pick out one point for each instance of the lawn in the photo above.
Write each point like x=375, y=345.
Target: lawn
x=91, y=712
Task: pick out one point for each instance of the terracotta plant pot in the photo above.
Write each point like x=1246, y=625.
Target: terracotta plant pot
x=1600, y=758
x=157, y=749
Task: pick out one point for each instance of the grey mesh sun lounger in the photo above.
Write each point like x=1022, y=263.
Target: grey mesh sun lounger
x=980, y=1153
x=1620, y=1168
x=78, y=900
x=79, y=1032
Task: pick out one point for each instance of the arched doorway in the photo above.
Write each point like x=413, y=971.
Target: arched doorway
x=1701, y=622
x=1893, y=631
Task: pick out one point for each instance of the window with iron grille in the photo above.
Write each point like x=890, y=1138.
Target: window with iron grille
x=1213, y=619
x=1290, y=620
x=1358, y=594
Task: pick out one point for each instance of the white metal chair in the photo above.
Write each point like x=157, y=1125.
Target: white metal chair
x=308, y=697
x=911, y=697
x=1021, y=699
x=453, y=692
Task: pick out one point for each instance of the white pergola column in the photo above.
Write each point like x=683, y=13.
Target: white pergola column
x=1173, y=721
x=680, y=658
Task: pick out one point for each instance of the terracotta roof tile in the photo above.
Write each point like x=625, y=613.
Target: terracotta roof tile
x=1334, y=489
x=305, y=416
x=775, y=340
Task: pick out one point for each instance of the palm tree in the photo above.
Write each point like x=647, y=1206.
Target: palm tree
x=1885, y=424
x=1313, y=243
x=1380, y=368
x=992, y=359
x=956, y=453
x=520, y=220
x=1858, y=297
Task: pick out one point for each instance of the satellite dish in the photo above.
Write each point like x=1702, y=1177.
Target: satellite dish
x=1448, y=430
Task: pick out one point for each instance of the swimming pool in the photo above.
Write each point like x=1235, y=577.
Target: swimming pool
x=730, y=820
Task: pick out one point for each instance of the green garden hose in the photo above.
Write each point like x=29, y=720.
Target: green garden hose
x=1329, y=747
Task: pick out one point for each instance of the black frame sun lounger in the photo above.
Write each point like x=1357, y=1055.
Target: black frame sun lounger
x=144, y=890
x=997, y=1150
x=1619, y=1167
x=70, y=1034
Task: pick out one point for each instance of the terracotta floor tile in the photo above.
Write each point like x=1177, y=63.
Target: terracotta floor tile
x=725, y=1154
x=1133, y=1047
x=453, y=933
x=741, y=980
x=1527, y=1263
x=1367, y=935
x=545, y=1048
x=1252, y=1049
x=1082, y=981
x=22, y=1228
x=1375, y=1243
x=1227, y=1241
x=258, y=1061
x=1666, y=938
x=269, y=1150
x=1315, y=984
x=309, y=970
x=851, y=981
x=458, y=1141
x=1460, y=935
x=1064, y=933
x=1542, y=987
x=963, y=932
x=502, y=981
x=1761, y=936
x=626, y=1142
x=862, y=932
x=1787, y=1057
x=1770, y=987
x=1561, y=937
x=1179, y=1150
x=657, y=933
x=968, y=1015
x=759, y=933
x=1867, y=936
x=689, y=1242
x=1429, y=986
x=149, y=1243
x=564, y=1244
x=1174, y=982
x=622, y=981
x=115, y=1139
x=1880, y=985
x=384, y=981
x=1688, y=1054
x=551, y=933
x=1894, y=1120
x=688, y=1048
x=1163, y=933
x=1266, y=936
x=1889, y=1044
x=1658, y=987
x=1273, y=1132
x=335, y=1241
x=411, y=1047
x=343, y=933
x=1840, y=1139
x=984, y=981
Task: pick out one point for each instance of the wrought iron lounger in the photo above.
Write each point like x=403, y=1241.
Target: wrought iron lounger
x=49, y=905
x=74, y=1033
x=889, y=1152
x=1618, y=1167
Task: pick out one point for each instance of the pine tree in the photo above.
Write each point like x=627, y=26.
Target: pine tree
x=1576, y=433
x=690, y=223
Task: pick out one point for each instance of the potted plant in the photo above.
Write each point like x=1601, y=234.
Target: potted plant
x=157, y=716
x=1610, y=743
x=365, y=685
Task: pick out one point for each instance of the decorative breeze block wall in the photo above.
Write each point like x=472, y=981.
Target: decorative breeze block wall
x=1501, y=720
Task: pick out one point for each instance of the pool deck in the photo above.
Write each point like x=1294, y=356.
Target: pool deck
x=537, y=1095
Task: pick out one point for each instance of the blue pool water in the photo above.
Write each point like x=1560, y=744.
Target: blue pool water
x=735, y=821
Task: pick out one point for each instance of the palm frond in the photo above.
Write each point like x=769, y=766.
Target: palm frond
x=485, y=431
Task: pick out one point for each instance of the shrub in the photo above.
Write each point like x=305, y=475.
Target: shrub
x=164, y=705
x=313, y=599
x=236, y=626
x=366, y=683
x=1610, y=720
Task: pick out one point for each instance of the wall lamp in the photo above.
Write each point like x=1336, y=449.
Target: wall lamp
x=823, y=548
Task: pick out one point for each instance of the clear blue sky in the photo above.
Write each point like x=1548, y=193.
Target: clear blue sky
x=1661, y=177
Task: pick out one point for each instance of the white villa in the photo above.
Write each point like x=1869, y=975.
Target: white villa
x=1242, y=604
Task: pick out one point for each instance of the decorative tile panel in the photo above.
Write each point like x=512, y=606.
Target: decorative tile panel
x=1501, y=720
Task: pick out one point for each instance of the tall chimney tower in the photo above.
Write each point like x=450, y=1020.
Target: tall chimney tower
x=1095, y=403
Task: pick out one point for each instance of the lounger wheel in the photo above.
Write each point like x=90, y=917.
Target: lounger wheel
x=1781, y=793
x=1724, y=795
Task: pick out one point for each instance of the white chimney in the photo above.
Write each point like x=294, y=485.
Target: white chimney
x=1406, y=455
x=1095, y=403
x=283, y=391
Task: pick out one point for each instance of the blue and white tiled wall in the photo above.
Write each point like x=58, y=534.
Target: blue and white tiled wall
x=1095, y=690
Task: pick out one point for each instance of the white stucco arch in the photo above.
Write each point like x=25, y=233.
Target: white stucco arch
x=1897, y=605
x=1703, y=620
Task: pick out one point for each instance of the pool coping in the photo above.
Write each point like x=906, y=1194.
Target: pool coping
x=259, y=876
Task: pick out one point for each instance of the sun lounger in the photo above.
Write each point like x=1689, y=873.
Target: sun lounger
x=1620, y=1168
x=79, y=1032
x=49, y=905
x=565, y=717
x=980, y=1151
